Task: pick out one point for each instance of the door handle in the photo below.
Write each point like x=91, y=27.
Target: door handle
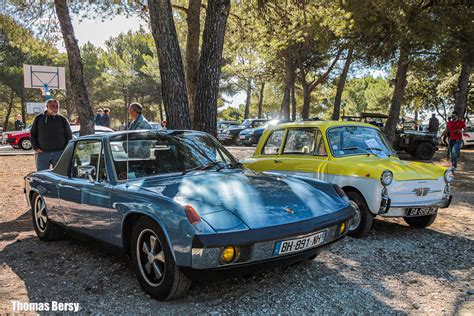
x=277, y=160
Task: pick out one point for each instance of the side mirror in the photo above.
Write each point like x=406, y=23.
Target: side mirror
x=87, y=172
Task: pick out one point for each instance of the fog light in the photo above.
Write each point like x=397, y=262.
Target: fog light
x=228, y=254
x=342, y=228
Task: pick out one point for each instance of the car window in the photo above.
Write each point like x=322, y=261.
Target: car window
x=319, y=149
x=102, y=172
x=272, y=147
x=300, y=141
x=86, y=154
x=258, y=123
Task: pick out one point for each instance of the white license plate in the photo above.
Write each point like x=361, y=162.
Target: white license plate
x=242, y=137
x=299, y=244
x=421, y=211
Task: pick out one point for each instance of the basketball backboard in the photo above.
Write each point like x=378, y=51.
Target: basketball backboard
x=44, y=77
x=34, y=107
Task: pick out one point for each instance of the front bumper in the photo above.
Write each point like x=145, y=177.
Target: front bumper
x=258, y=245
x=399, y=210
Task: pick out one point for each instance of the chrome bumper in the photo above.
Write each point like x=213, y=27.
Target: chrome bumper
x=400, y=210
x=208, y=258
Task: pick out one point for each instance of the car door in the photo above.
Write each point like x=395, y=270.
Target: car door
x=85, y=195
x=269, y=156
x=304, y=153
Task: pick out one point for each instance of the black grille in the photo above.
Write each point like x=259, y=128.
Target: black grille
x=245, y=253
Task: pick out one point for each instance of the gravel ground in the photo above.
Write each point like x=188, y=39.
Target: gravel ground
x=396, y=270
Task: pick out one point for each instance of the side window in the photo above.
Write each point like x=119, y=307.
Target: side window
x=272, y=147
x=320, y=149
x=300, y=141
x=86, y=158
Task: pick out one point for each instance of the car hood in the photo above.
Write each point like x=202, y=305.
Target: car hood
x=233, y=199
x=402, y=170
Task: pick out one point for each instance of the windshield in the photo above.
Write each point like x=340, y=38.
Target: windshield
x=245, y=123
x=358, y=140
x=150, y=154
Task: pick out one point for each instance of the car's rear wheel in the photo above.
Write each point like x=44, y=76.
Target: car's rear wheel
x=420, y=221
x=425, y=151
x=25, y=144
x=44, y=228
x=153, y=262
x=361, y=224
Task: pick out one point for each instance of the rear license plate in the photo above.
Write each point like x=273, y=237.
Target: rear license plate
x=421, y=211
x=299, y=244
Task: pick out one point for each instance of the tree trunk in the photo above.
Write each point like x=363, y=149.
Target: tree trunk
x=306, y=101
x=23, y=105
x=293, y=102
x=460, y=96
x=173, y=84
x=247, y=99
x=260, y=100
x=9, y=111
x=78, y=86
x=289, y=80
x=398, y=94
x=192, y=52
x=160, y=106
x=210, y=66
x=340, y=85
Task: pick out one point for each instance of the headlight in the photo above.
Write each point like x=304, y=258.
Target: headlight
x=387, y=177
x=448, y=176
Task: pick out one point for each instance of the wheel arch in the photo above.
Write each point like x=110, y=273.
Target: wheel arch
x=127, y=229
x=349, y=188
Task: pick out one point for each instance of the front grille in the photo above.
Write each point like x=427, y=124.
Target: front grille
x=245, y=253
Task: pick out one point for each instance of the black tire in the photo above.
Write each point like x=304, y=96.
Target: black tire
x=45, y=229
x=420, y=221
x=25, y=144
x=425, y=151
x=366, y=218
x=171, y=283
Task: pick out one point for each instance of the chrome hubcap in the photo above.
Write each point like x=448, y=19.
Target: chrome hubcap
x=41, y=218
x=27, y=144
x=151, y=258
x=356, y=220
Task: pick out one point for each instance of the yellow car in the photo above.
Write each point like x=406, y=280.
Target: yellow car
x=358, y=158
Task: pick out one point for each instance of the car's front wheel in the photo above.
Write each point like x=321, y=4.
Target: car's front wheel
x=420, y=221
x=25, y=144
x=361, y=224
x=153, y=262
x=44, y=228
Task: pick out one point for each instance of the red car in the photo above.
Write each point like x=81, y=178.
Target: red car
x=21, y=139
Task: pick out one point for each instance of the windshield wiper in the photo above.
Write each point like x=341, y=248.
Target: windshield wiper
x=230, y=165
x=368, y=150
x=202, y=167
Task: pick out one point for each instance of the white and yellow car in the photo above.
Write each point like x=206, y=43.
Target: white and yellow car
x=358, y=158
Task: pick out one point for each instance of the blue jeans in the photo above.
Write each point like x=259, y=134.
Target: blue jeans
x=45, y=159
x=454, y=149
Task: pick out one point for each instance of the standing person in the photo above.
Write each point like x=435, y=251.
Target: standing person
x=19, y=125
x=50, y=133
x=98, y=117
x=138, y=121
x=106, y=118
x=433, y=125
x=164, y=124
x=445, y=139
x=122, y=126
x=455, y=127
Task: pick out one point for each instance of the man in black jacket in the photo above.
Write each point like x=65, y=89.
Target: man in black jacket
x=50, y=133
x=19, y=123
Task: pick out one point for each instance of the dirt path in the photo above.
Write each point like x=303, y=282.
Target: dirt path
x=396, y=269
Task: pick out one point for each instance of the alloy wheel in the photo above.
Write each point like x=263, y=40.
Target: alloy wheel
x=41, y=218
x=150, y=257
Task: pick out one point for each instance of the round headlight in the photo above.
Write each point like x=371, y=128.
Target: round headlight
x=228, y=254
x=449, y=176
x=386, y=178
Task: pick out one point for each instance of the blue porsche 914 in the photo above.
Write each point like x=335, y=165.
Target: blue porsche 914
x=178, y=204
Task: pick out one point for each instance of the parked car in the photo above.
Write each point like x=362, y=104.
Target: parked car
x=21, y=139
x=223, y=125
x=251, y=136
x=358, y=158
x=419, y=144
x=180, y=205
x=230, y=135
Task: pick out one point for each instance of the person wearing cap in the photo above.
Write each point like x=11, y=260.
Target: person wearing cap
x=98, y=117
x=50, y=134
x=138, y=120
x=105, y=119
